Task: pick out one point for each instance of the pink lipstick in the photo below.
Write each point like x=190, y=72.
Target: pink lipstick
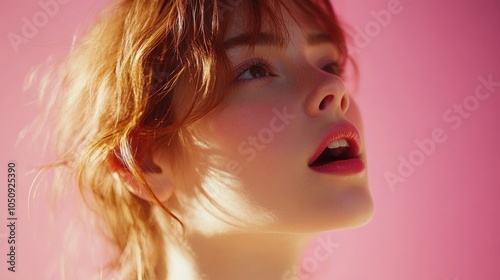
x=339, y=151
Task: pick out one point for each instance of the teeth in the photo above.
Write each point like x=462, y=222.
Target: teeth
x=338, y=143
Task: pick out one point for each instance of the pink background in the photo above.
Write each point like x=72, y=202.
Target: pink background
x=442, y=222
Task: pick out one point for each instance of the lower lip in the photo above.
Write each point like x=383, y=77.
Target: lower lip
x=341, y=167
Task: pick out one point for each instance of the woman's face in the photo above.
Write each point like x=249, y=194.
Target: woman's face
x=286, y=105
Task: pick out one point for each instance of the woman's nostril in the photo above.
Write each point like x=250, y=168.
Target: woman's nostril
x=327, y=100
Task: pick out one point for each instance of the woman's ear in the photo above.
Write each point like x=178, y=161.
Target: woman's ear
x=154, y=165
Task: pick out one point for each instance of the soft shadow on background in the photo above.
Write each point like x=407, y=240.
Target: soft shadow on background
x=430, y=95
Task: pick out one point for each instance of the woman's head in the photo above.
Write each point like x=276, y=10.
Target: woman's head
x=217, y=112
x=253, y=156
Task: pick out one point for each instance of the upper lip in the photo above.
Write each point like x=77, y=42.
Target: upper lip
x=344, y=130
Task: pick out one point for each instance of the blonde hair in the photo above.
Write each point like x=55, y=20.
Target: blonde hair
x=116, y=91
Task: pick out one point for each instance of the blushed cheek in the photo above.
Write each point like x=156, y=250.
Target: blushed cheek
x=242, y=136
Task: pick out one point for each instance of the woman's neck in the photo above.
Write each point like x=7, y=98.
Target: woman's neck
x=235, y=256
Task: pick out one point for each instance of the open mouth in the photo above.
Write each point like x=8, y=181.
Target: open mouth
x=337, y=150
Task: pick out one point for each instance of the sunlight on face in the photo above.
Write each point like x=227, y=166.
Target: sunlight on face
x=285, y=154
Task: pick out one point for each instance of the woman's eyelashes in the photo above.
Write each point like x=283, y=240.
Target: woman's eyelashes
x=257, y=69
x=333, y=68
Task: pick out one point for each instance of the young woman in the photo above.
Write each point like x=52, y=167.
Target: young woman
x=213, y=138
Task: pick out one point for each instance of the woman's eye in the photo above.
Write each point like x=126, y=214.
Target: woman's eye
x=333, y=68
x=254, y=71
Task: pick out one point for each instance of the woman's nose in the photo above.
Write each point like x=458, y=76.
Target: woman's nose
x=327, y=94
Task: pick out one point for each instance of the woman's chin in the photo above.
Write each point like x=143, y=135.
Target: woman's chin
x=357, y=216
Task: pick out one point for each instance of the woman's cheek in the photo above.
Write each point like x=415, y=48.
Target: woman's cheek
x=242, y=133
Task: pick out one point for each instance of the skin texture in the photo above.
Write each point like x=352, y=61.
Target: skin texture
x=250, y=204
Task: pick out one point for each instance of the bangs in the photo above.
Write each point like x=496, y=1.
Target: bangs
x=268, y=14
x=190, y=58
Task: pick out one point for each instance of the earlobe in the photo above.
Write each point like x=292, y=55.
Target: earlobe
x=155, y=172
x=160, y=184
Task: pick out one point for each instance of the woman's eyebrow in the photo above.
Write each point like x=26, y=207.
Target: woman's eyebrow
x=318, y=39
x=247, y=39
x=264, y=38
